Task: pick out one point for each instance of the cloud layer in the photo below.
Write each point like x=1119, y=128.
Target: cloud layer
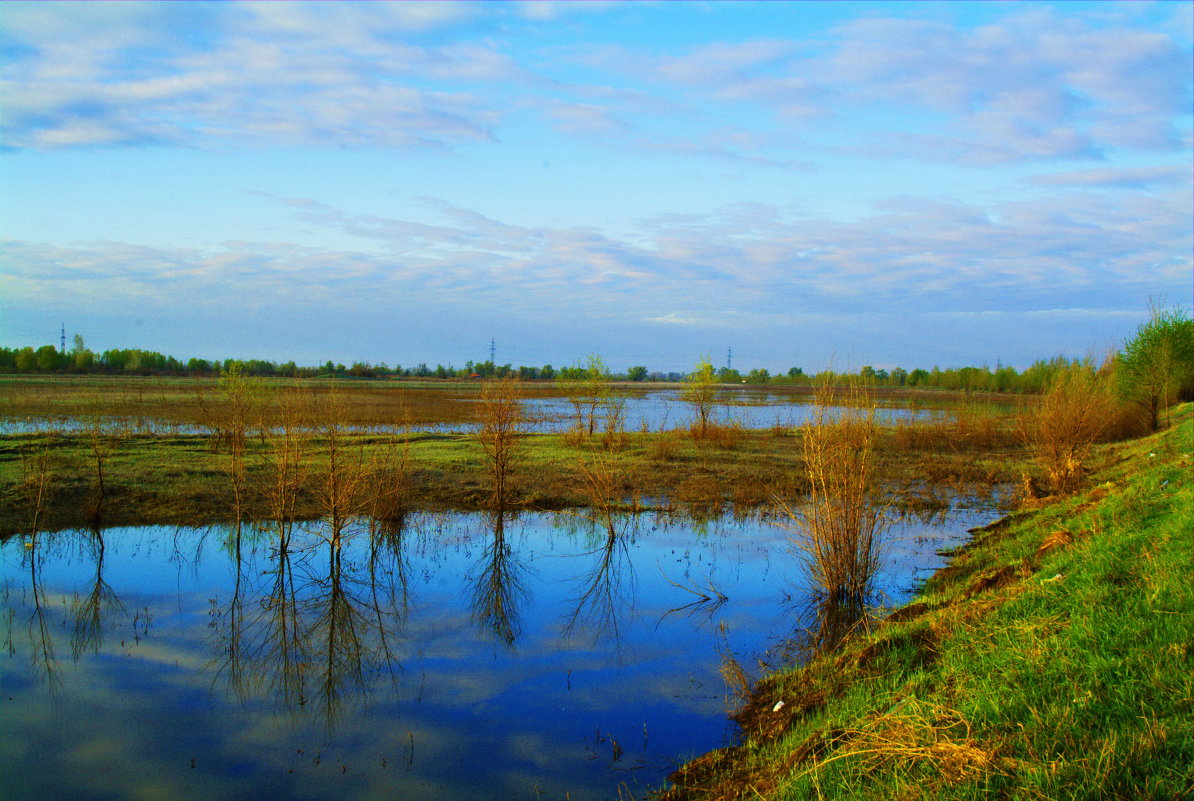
x=1038, y=84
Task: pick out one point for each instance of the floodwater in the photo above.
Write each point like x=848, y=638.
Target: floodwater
x=459, y=656
x=651, y=410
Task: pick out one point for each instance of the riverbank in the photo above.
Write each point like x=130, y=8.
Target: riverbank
x=1051, y=659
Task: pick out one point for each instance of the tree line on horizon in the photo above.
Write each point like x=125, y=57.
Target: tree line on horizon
x=79, y=360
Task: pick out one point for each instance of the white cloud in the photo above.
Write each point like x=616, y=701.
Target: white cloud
x=912, y=254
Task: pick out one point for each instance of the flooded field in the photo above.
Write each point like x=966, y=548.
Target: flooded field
x=414, y=409
x=459, y=656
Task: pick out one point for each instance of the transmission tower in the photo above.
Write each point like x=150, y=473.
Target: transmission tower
x=492, y=351
x=730, y=358
x=64, y=337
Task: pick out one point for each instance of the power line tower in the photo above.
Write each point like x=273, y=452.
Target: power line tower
x=729, y=358
x=492, y=351
x=64, y=337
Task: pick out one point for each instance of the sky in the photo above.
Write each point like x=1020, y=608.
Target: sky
x=780, y=183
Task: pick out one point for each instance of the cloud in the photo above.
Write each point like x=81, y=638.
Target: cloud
x=1115, y=177
x=741, y=262
x=678, y=318
x=1035, y=85
x=255, y=74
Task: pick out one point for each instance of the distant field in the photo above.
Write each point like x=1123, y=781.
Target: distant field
x=368, y=402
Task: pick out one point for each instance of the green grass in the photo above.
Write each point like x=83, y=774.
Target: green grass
x=1071, y=676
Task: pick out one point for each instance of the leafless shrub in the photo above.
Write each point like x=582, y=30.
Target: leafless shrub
x=241, y=403
x=501, y=432
x=1062, y=426
x=342, y=489
x=38, y=473
x=103, y=434
x=287, y=444
x=841, y=525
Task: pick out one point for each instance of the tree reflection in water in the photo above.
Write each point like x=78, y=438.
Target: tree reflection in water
x=312, y=626
x=498, y=586
x=41, y=643
x=606, y=589
x=89, y=610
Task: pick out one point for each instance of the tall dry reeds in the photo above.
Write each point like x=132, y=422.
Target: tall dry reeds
x=501, y=431
x=840, y=527
x=1062, y=426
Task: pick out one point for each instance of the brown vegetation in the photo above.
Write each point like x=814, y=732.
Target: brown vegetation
x=1063, y=425
x=840, y=526
x=501, y=432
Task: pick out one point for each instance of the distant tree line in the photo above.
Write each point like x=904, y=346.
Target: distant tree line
x=78, y=359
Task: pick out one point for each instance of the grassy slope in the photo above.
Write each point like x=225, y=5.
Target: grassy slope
x=1053, y=659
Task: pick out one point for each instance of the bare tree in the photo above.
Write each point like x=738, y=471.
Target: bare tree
x=502, y=429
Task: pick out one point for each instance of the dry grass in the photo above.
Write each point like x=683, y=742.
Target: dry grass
x=911, y=732
x=719, y=435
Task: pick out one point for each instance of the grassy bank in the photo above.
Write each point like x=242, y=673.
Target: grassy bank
x=1052, y=659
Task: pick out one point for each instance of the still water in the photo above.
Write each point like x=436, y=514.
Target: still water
x=456, y=657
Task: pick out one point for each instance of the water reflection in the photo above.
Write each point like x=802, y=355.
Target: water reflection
x=271, y=646
x=605, y=591
x=499, y=588
x=312, y=626
x=41, y=643
x=89, y=609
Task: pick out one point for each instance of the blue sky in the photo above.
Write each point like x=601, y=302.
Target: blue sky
x=863, y=183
